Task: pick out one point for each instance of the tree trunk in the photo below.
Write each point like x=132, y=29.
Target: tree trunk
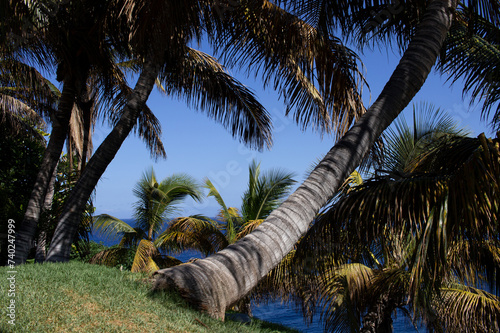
x=60, y=122
x=215, y=283
x=378, y=319
x=41, y=253
x=74, y=207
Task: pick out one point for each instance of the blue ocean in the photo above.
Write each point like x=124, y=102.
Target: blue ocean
x=279, y=313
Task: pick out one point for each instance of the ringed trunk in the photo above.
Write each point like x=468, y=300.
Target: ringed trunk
x=25, y=234
x=217, y=282
x=378, y=319
x=74, y=207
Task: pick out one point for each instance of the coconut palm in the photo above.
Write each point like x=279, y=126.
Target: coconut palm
x=65, y=35
x=259, y=252
x=406, y=239
x=158, y=202
x=85, y=62
x=200, y=79
x=264, y=193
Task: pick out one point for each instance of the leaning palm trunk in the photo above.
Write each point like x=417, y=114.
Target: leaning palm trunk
x=75, y=205
x=215, y=283
x=26, y=232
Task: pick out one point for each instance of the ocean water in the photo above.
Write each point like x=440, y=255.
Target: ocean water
x=287, y=315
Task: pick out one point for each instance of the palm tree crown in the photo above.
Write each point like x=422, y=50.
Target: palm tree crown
x=157, y=202
x=416, y=236
x=264, y=193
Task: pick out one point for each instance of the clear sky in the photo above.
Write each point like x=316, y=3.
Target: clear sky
x=198, y=146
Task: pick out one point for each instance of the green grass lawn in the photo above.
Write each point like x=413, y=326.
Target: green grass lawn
x=78, y=297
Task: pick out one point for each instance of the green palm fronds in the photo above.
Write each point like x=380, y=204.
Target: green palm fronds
x=143, y=260
x=429, y=218
x=194, y=232
x=157, y=201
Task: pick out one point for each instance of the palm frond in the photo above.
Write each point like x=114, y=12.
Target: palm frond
x=20, y=118
x=472, y=53
x=110, y=257
x=167, y=261
x=231, y=220
x=193, y=232
x=202, y=81
x=143, y=260
x=110, y=226
x=316, y=74
x=157, y=200
x=406, y=145
x=248, y=227
x=468, y=309
x=264, y=191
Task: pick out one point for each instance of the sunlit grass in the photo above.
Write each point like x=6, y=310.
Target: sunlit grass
x=78, y=297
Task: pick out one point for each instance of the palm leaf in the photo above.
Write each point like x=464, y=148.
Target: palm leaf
x=203, y=83
x=472, y=54
x=248, y=227
x=110, y=257
x=231, y=220
x=193, y=232
x=468, y=309
x=157, y=201
x=110, y=226
x=143, y=260
x=264, y=192
x=295, y=58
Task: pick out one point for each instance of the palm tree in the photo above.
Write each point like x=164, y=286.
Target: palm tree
x=259, y=252
x=65, y=35
x=85, y=62
x=208, y=236
x=200, y=79
x=158, y=201
x=264, y=193
x=406, y=239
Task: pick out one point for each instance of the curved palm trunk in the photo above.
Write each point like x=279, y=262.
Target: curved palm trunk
x=64, y=234
x=26, y=232
x=215, y=283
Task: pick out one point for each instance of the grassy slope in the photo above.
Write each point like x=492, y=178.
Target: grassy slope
x=77, y=297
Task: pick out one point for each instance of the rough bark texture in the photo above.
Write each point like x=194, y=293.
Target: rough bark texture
x=64, y=234
x=215, y=283
x=26, y=233
x=379, y=316
x=41, y=252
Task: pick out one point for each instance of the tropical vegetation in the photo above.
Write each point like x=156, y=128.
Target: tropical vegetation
x=293, y=46
x=264, y=193
x=420, y=236
x=157, y=203
x=420, y=29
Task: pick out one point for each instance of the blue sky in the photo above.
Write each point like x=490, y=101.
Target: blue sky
x=198, y=146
